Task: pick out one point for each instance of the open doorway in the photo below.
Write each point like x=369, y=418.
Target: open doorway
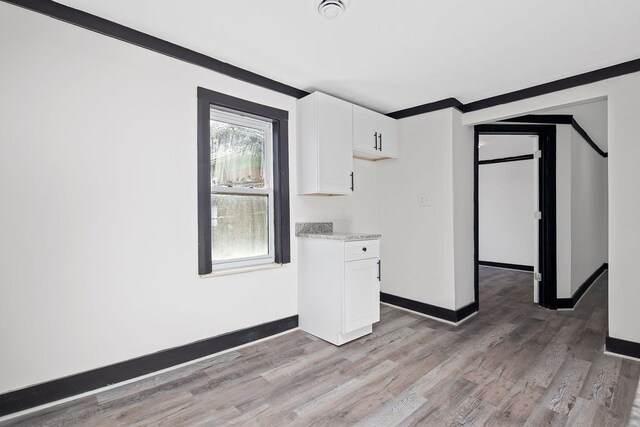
x=507, y=202
x=535, y=250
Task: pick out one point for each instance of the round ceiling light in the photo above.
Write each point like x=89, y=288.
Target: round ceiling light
x=331, y=9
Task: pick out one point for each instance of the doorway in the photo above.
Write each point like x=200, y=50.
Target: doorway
x=508, y=198
x=544, y=262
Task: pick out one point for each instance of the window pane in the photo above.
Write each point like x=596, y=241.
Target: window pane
x=237, y=155
x=239, y=226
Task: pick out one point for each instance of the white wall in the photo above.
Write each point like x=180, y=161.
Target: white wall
x=506, y=201
x=462, y=147
x=623, y=98
x=423, y=259
x=588, y=210
x=98, y=261
x=499, y=146
x=417, y=245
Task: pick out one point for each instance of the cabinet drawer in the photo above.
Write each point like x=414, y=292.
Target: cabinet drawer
x=361, y=249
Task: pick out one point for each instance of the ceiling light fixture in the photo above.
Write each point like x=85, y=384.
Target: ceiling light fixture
x=331, y=9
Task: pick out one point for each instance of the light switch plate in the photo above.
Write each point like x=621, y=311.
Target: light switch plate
x=424, y=200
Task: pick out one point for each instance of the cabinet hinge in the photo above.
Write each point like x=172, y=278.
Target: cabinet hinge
x=537, y=215
x=537, y=277
x=537, y=154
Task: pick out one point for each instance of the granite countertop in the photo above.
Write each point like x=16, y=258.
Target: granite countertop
x=341, y=236
x=324, y=230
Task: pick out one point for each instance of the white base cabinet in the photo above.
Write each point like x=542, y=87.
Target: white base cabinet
x=339, y=288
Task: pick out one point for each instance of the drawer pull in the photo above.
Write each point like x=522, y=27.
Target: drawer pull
x=364, y=249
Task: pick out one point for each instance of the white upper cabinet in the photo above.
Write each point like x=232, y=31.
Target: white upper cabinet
x=389, y=137
x=365, y=131
x=374, y=135
x=331, y=132
x=324, y=145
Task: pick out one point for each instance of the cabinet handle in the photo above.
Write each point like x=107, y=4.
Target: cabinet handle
x=375, y=140
x=352, y=181
x=380, y=141
x=364, y=249
x=379, y=272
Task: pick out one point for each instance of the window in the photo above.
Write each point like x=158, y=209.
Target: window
x=241, y=190
x=243, y=195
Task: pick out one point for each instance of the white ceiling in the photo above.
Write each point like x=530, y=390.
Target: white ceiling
x=390, y=54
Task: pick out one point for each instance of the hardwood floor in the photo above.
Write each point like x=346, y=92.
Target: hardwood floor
x=512, y=364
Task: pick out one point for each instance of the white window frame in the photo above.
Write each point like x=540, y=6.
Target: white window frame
x=242, y=119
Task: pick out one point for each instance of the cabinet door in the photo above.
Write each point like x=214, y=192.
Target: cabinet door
x=361, y=299
x=335, y=150
x=365, y=131
x=389, y=137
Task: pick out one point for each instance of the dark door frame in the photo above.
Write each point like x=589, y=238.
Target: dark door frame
x=548, y=292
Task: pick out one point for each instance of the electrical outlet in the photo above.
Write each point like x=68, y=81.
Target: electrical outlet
x=424, y=200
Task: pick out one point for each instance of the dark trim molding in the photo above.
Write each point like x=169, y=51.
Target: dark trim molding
x=550, y=119
x=507, y=159
x=138, y=38
x=280, y=120
x=281, y=211
x=530, y=92
x=622, y=347
x=205, y=262
x=238, y=104
x=427, y=108
x=573, y=301
x=587, y=138
x=61, y=388
x=547, y=197
x=430, y=310
x=506, y=265
x=556, y=85
x=558, y=119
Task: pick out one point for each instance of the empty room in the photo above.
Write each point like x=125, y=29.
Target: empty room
x=319, y=212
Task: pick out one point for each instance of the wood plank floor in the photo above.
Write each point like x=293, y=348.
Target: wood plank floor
x=512, y=364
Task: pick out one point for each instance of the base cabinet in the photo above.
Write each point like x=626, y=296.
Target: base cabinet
x=361, y=294
x=339, y=288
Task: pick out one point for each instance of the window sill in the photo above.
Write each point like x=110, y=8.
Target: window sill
x=241, y=270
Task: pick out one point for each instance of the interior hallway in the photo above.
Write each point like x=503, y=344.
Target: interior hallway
x=512, y=363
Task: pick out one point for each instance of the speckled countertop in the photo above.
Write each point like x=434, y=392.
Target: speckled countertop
x=324, y=230
x=341, y=236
